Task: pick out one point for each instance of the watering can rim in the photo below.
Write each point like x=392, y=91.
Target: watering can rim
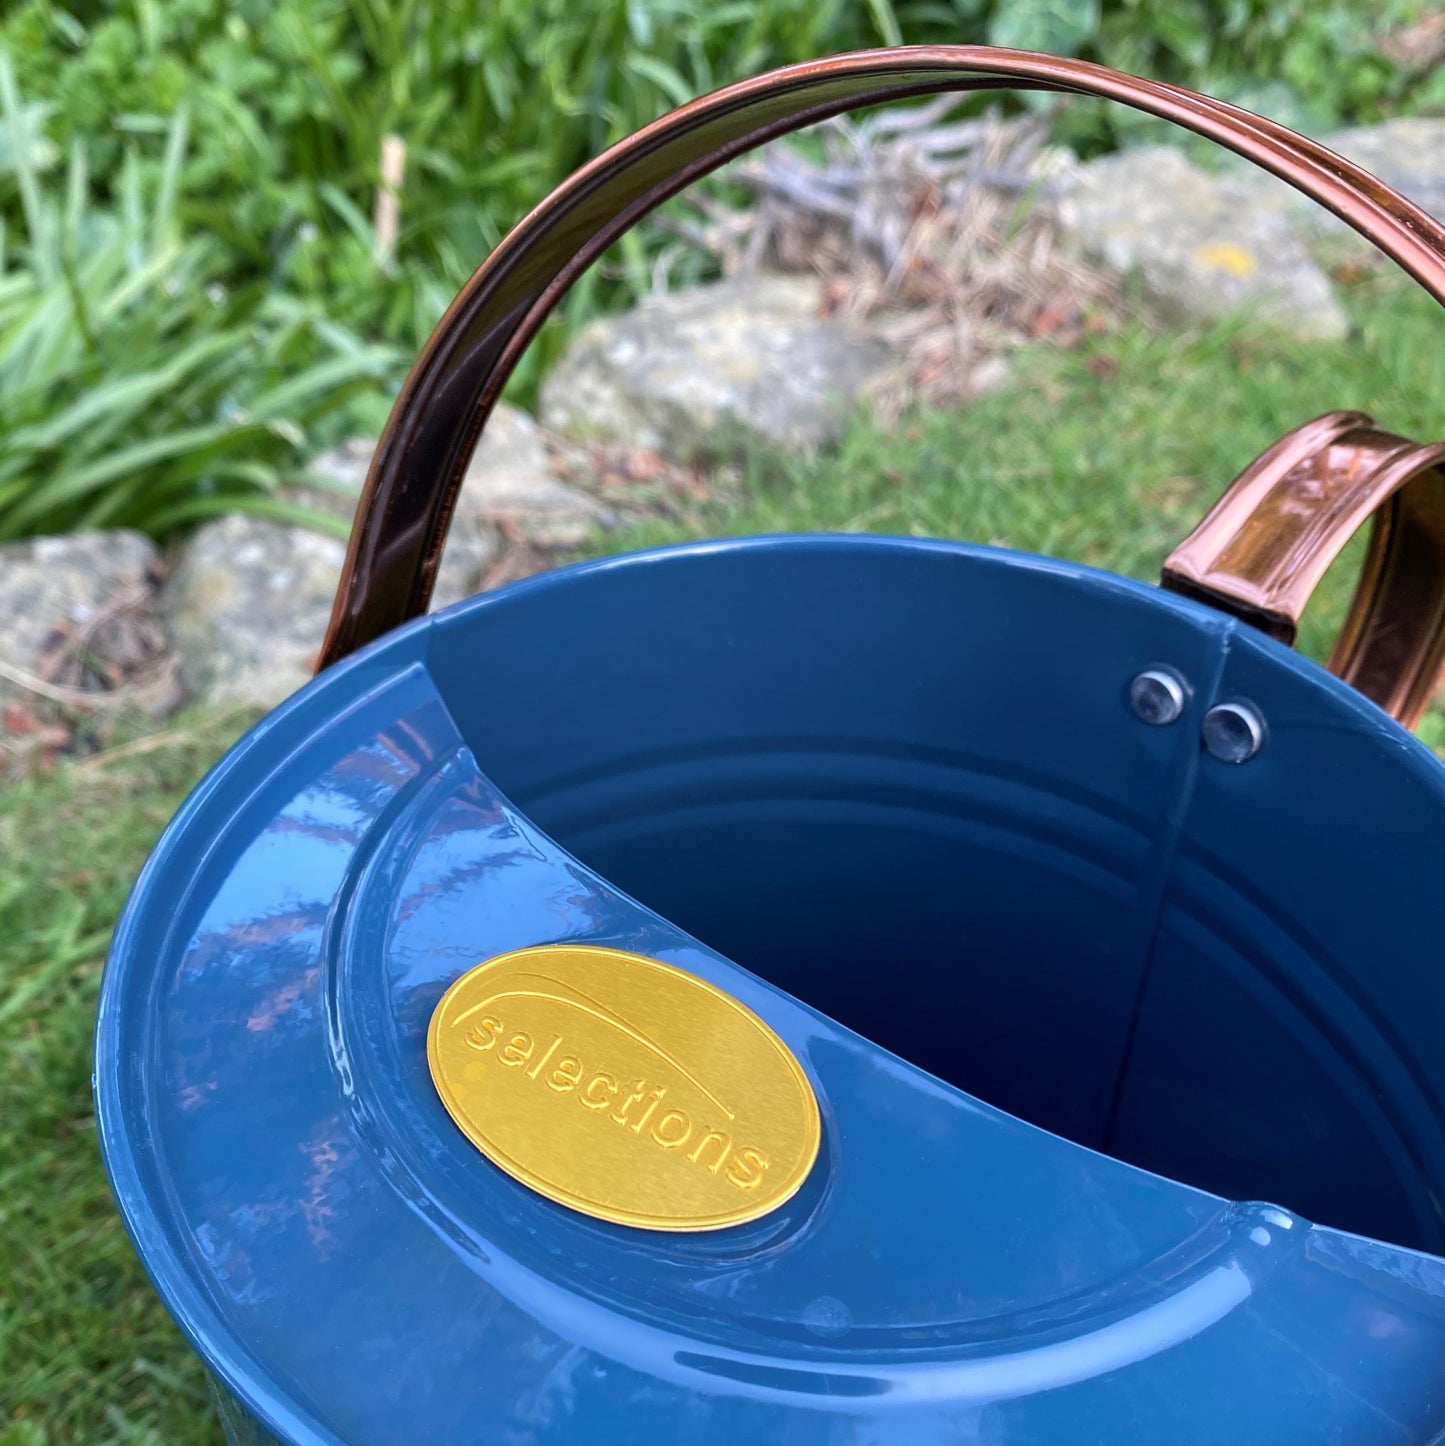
x=123, y=1137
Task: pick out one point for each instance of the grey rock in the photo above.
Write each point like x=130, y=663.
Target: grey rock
x=534, y=508
x=472, y=547
x=702, y=371
x=511, y=445
x=246, y=609
x=335, y=478
x=510, y=486
x=1201, y=245
x=50, y=586
x=247, y=605
x=1407, y=154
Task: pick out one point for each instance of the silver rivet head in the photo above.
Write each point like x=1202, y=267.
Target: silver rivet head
x=1158, y=696
x=1233, y=732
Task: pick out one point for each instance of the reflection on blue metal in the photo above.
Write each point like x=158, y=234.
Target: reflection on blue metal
x=885, y=786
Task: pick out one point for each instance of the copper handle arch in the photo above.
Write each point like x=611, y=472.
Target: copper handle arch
x=1264, y=546
x=411, y=489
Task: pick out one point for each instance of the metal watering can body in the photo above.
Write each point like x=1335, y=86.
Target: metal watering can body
x=1087, y=910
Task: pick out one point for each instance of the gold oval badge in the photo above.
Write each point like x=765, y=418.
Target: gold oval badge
x=623, y=1087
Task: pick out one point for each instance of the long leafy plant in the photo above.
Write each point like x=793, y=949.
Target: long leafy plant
x=135, y=388
x=194, y=283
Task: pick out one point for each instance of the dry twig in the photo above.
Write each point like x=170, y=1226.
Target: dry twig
x=939, y=234
x=89, y=675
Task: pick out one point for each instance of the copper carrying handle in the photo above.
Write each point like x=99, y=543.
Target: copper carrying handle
x=1267, y=542
x=411, y=490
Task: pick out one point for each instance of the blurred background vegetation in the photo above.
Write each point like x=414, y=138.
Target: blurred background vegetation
x=193, y=295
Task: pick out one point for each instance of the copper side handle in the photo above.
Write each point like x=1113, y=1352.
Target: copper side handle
x=1268, y=541
x=402, y=519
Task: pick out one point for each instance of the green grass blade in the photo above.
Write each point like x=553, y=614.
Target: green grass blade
x=70, y=486
x=42, y=241
x=163, y=219
x=321, y=380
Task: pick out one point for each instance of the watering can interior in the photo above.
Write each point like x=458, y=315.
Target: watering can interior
x=913, y=793
x=890, y=795
x=894, y=786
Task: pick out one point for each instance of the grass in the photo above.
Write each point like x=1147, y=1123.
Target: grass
x=87, y=1354
x=1108, y=454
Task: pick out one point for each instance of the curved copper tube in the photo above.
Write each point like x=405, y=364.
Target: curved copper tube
x=402, y=519
x=1265, y=545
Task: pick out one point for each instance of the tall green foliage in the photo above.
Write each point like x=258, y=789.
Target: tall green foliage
x=187, y=188
x=497, y=100
x=135, y=388
x=1312, y=64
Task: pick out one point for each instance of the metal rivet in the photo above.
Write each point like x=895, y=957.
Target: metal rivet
x=1233, y=732
x=1158, y=696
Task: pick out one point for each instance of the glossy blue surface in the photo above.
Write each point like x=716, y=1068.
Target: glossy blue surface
x=900, y=783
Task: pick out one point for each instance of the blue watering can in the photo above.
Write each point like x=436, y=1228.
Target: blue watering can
x=1035, y=975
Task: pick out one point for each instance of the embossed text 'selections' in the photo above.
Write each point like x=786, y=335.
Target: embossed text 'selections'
x=623, y=1087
